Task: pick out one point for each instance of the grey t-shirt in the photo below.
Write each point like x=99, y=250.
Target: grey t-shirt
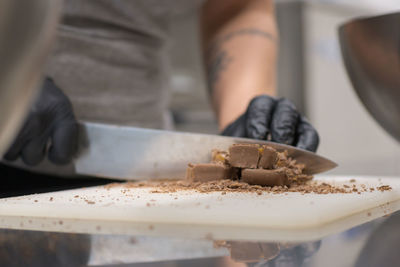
x=111, y=59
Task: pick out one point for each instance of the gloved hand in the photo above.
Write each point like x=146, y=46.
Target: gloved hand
x=50, y=120
x=277, y=120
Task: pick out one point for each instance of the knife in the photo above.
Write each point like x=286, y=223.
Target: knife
x=129, y=153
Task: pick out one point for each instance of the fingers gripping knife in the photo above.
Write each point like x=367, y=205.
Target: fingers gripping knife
x=27, y=29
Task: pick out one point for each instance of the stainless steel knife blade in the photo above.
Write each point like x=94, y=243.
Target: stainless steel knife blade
x=130, y=153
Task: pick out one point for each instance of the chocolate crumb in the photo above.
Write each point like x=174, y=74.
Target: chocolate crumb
x=384, y=188
x=227, y=185
x=220, y=244
x=51, y=199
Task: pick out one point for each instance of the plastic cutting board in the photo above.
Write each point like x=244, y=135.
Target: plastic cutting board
x=190, y=214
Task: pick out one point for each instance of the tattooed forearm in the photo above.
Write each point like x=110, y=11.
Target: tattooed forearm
x=219, y=63
x=218, y=58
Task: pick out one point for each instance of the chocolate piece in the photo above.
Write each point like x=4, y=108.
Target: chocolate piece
x=265, y=177
x=207, y=172
x=283, y=160
x=245, y=251
x=252, y=251
x=244, y=155
x=219, y=156
x=268, y=157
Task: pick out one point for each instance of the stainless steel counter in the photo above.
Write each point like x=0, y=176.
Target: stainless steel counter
x=371, y=244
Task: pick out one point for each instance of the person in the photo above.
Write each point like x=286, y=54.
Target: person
x=110, y=65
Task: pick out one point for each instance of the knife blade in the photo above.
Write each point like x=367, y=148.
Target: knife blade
x=130, y=153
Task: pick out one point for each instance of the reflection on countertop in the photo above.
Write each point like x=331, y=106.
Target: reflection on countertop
x=374, y=244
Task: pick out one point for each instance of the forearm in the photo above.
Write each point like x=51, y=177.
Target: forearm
x=240, y=54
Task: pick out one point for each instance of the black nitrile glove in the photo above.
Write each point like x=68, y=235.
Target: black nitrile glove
x=277, y=120
x=50, y=120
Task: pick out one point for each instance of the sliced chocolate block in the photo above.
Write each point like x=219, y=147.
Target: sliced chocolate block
x=268, y=157
x=244, y=155
x=265, y=177
x=207, y=172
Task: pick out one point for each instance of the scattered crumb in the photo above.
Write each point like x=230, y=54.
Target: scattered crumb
x=225, y=186
x=151, y=227
x=76, y=196
x=369, y=213
x=220, y=244
x=36, y=200
x=352, y=180
x=384, y=188
x=90, y=202
x=207, y=206
x=51, y=199
x=60, y=222
x=98, y=227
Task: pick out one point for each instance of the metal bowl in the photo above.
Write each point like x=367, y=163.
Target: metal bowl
x=26, y=31
x=371, y=52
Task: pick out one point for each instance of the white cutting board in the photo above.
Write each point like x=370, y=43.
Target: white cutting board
x=189, y=214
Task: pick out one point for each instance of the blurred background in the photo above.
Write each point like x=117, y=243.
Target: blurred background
x=311, y=74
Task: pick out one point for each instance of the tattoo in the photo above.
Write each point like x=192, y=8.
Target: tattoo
x=218, y=58
x=219, y=63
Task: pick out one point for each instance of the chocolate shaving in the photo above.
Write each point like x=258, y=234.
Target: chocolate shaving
x=227, y=186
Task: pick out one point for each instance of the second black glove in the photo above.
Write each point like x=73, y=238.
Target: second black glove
x=278, y=120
